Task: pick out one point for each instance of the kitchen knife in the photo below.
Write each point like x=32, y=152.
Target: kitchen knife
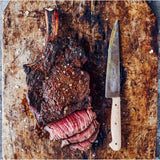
x=112, y=88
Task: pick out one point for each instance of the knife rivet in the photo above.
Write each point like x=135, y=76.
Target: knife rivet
x=115, y=123
x=115, y=104
x=115, y=143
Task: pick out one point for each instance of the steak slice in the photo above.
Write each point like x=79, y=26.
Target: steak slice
x=86, y=134
x=71, y=125
x=85, y=145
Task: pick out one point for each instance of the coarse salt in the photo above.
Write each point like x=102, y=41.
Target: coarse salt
x=70, y=85
x=27, y=13
x=151, y=51
x=16, y=86
x=93, y=154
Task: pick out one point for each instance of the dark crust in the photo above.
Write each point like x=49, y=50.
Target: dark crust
x=60, y=51
x=66, y=85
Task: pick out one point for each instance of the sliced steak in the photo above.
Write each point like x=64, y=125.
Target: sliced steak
x=86, y=134
x=85, y=145
x=71, y=125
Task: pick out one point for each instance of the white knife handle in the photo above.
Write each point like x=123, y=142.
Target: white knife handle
x=116, y=124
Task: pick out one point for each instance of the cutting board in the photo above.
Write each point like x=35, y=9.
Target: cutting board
x=90, y=23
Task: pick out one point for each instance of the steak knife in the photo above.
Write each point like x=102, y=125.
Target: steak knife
x=112, y=87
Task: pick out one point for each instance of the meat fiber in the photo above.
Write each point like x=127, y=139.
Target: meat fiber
x=85, y=145
x=58, y=90
x=71, y=125
x=86, y=134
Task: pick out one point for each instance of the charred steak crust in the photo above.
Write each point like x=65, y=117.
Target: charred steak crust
x=66, y=85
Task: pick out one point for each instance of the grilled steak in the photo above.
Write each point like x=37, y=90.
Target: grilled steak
x=58, y=90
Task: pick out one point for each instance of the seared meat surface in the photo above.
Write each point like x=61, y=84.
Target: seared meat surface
x=58, y=92
x=66, y=85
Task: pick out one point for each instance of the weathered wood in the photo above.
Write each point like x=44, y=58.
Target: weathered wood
x=90, y=22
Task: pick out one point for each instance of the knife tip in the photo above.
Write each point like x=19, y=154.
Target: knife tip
x=116, y=23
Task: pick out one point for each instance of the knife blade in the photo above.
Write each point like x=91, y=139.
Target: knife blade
x=112, y=86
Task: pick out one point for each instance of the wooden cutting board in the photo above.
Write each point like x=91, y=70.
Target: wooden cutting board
x=90, y=23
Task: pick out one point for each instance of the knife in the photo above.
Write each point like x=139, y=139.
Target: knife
x=112, y=87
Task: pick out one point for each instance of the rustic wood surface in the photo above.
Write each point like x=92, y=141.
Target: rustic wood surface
x=90, y=23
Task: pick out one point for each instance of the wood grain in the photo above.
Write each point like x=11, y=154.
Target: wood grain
x=90, y=22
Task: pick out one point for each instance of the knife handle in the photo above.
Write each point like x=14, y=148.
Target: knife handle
x=116, y=124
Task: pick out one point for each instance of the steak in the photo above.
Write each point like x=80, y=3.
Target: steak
x=58, y=90
x=85, y=145
x=86, y=134
x=71, y=125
